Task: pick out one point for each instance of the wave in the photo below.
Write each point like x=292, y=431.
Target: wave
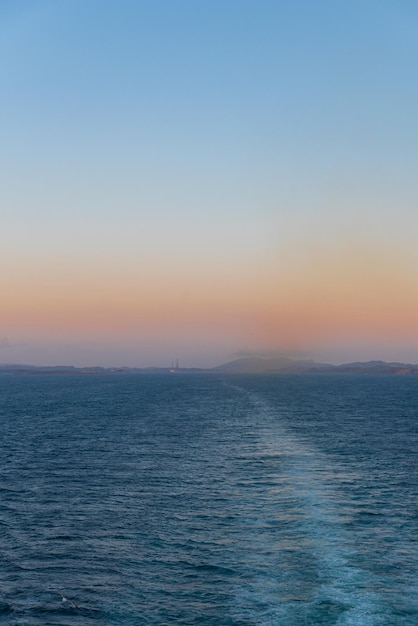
x=302, y=565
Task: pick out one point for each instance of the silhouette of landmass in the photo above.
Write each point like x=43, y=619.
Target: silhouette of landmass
x=246, y=365
x=254, y=365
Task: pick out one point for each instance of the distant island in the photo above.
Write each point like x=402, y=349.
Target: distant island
x=246, y=365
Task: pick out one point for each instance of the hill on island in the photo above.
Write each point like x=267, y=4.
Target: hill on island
x=244, y=365
x=285, y=365
x=264, y=365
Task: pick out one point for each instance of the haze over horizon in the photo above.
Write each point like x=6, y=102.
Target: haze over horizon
x=188, y=180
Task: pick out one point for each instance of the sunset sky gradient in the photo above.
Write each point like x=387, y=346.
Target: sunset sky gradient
x=185, y=179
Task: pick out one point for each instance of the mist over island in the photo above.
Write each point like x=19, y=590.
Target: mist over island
x=245, y=365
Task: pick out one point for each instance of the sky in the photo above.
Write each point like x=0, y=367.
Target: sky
x=190, y=180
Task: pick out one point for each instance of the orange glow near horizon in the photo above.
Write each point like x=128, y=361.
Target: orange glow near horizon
x=308, y=297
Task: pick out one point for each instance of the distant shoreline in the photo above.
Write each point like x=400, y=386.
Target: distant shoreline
x=249, y=365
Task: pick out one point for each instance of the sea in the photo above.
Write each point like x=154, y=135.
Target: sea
x=206, y=499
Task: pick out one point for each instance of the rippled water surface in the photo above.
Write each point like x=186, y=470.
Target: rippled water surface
x=207, y=500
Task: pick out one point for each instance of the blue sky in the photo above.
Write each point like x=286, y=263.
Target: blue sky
x=201, y=135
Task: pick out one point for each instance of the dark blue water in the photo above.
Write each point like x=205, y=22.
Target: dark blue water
x=201, y=500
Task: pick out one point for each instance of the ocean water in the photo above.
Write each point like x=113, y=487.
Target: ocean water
x=137, y=500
